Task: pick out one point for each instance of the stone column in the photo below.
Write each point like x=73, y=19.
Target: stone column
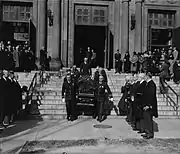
x=64, y=29
x=117, y=17
x=138, y=27
x=56, y=35
x=125, y=27
x=1, y=13
x=42, y=24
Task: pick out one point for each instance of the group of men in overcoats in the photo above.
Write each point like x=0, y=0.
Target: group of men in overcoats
x=139, y=102
x=10, y=98
x=70, y=91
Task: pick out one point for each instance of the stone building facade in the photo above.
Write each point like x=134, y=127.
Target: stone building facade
x=64, y=27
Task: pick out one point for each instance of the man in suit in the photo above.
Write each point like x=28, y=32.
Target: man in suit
x=118, y=62
x=164, y=74
x=69, y=90
x=139, y=103
x=85, y=68
x=101, y=89
x=134, y=87
x=149, y=106
x=2, y=100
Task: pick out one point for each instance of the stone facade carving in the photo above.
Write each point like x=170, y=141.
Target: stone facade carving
x=163, y=2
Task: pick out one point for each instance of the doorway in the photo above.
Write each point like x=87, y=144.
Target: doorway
x=89, y=36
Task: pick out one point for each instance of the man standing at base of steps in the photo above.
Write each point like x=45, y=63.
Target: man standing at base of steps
x=69, y=90
x=149, y=106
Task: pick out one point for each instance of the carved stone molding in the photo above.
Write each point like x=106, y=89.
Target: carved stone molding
x=163, y=1
x=139, y=1
x=172, y=1
x=125, y=1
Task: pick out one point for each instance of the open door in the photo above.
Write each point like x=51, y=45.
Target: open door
x=108, y=49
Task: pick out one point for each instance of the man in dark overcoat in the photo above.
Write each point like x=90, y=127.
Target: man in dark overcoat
x=118, y=62
x=149, y=106
x=2, y=100
x=138, y=103
x=7, y=98
x=85, y=68
x=69, y=90
x=101, y=97
x=134, y=88
x=124, y=101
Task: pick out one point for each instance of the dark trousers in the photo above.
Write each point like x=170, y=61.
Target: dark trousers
x=148, y=122
x=118, y=66
x=162, y=84
x=1, y=114
x=100, y=109
x=70, y=108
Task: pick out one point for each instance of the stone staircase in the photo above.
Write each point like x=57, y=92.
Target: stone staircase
x=51, y=106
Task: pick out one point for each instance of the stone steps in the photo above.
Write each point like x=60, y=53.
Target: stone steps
x=52, y=107
x=61, y=106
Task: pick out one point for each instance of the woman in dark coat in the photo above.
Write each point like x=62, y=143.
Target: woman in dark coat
x=127, y=63
x=123, y=103
x=176, y=72
x=164, y=74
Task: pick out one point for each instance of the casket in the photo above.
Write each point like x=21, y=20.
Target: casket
x=86, y=91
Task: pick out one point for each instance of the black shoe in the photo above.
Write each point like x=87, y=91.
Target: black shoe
x=144, y=135
x=94, y=116
x=148, y=137
x=1, y=127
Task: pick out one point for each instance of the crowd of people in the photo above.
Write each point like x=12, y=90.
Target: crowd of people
x=10, y=98
x=139, y=103
x=16, y=57
x=164, y=63
x=148, y=61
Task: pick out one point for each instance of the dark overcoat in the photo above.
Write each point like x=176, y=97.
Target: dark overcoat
x=150, y=98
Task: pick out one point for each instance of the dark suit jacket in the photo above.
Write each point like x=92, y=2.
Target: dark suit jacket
x=69, y=90
x=140, y=92
x=85, y=69
x=150, y=98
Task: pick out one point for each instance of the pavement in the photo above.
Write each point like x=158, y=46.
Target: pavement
x=13, y=138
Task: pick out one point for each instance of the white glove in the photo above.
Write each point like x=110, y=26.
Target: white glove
x=111, y=99
x=132, y=98
x=63, y=100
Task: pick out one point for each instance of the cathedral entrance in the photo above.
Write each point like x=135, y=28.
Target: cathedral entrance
x=89, y=36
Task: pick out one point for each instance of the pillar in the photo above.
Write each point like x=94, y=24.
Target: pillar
x=42, y=25
x=1, y=14
x=117, y=16
x=125, y=27
x=138, y=26
x=56, y=39
x=64, y=29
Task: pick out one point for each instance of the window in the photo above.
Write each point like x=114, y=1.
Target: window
x=12, y=12
x=161, y=19
x=82, y=15
x=90, y=15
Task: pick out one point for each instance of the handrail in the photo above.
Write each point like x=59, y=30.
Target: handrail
x=41, y=76
x=31, y=88
x=176, y=104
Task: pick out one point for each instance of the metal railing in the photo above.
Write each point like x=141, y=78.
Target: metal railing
x=31, y=88
x=173, y=103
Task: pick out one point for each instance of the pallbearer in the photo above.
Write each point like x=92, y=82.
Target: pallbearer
x=69, y=90
x=101, y=96
x=149, y=106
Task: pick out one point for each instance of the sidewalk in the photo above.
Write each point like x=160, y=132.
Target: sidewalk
x=13, y=138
